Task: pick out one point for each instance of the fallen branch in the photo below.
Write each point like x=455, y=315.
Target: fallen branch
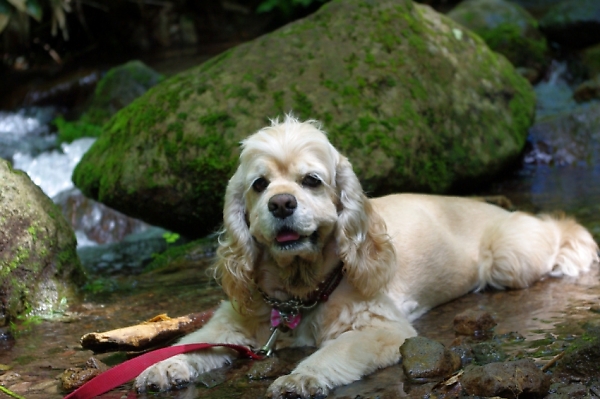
x=155, y=332
x=553, y=361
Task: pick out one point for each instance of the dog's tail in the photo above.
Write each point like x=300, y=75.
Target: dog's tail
x=522, y=248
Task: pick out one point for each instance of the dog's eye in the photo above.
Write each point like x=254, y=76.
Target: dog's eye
x=260, y=184
x=311, y=181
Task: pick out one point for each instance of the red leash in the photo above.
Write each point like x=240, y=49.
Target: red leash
x=130, y=369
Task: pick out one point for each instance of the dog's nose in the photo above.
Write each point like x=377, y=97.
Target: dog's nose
x=282, y=205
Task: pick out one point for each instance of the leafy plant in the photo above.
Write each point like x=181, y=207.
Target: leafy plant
x=170, y=237
x=20, y=10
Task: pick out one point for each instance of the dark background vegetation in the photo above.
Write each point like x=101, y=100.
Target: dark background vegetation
x=41, y=40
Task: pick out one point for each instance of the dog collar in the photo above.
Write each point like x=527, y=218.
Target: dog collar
x=286, y=315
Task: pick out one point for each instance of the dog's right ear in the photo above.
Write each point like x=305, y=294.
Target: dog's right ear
x=236, y=251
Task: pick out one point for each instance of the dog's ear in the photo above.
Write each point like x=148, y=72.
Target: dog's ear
x=236, y=250
x=364, y=245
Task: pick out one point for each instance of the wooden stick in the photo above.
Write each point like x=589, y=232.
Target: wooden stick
x=155, y=332
x=552, y=361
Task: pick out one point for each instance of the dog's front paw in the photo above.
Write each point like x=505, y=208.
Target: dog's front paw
x=297, y=386
x=171, y=373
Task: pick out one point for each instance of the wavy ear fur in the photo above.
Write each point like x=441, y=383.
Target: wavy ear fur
x=364, y=245
x=236, y=251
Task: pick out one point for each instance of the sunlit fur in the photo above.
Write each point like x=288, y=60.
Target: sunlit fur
x=402, y=255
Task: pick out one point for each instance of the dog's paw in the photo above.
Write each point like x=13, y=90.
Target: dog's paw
x=297, y=386
x=175, y=372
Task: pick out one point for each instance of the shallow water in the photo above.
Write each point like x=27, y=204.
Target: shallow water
x=552, y=307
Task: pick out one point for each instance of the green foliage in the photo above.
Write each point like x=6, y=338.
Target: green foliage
x=287, y=7
x=24, y=325
x=70, y=131
x=34, y=9
x=170, y=237
x=100, y=285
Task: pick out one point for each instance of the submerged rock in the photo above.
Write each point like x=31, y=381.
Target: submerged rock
x=473, y=322
x=412, y=98
x=39, y=268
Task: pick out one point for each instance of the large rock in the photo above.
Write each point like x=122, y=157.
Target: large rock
x=39, y=268
x=117, y=89
x=412, y=98
x=507, y=28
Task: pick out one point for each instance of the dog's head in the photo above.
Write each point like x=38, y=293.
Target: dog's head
x=293, y=201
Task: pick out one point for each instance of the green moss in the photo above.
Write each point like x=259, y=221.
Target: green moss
x=71, y=131
x=302, y=104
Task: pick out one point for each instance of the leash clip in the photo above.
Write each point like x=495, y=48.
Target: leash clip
x=269, y=347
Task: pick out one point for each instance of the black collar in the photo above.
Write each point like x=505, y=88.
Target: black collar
x=320, y=294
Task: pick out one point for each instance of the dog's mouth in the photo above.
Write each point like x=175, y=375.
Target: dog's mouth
x=287, y=238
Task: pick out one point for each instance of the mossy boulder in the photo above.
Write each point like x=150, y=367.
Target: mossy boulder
x=117, y=89
x=39, y=268
x=507, y=28
x=412, y=98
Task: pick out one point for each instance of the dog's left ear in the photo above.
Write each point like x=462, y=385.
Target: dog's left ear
x=236, y=251
x=365, y=247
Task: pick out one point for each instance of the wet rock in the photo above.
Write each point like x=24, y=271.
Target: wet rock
x=74, y=377
x=582, y=358
x=520, y=378
x=394, y=82
x=424, y=359
x=573, y=23
x=39, y=268
x=70, y=90
x=588, y=90
x=508, y=29
x=126, y=257
x=566, y=139
x=267, y=368
x=117, y=88
x=473, y=322
x=463, y=348
x=488, y=352
x=570, y=391
x=95, y=221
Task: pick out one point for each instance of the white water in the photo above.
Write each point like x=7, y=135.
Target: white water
x=52, y=170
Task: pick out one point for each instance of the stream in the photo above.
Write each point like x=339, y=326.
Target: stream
x=546, y=314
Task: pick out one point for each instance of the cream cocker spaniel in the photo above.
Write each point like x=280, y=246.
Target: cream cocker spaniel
x=298, y=229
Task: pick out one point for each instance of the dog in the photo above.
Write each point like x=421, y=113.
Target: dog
x=305, y=253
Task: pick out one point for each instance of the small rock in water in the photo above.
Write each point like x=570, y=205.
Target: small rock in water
x=426, y=360
x=473, y=322
x=74, y=377
x=506, y=380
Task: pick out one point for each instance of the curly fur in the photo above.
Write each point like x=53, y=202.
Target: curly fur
x=294, y=209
